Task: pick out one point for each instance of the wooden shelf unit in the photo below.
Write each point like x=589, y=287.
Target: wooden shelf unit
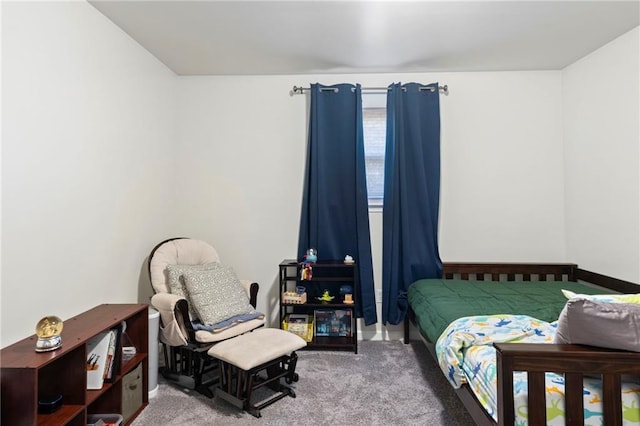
x=26, y=375
x=326, y=275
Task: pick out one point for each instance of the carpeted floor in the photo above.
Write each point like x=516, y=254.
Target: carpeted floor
x=386, y=383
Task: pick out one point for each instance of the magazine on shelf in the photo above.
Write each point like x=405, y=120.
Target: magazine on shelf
x=97, y=352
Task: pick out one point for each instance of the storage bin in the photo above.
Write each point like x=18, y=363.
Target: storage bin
x=104, y=419
x=304, y=330
x=132, y=392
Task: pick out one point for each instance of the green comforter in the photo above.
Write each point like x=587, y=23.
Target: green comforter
x=438, y=302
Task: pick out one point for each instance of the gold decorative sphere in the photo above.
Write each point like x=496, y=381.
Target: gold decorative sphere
x=49, y=326
x=48, y=331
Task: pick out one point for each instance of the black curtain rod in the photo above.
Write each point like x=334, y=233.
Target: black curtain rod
x=300, y=90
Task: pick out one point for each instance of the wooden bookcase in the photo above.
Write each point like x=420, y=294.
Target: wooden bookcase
x=327, y=275
x=26, y=375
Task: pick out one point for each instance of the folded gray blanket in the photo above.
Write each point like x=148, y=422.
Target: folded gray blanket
x=230, y=322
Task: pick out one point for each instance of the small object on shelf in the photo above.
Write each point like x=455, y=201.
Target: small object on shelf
x=128, y=348
x=128, y=352
x=326, y=297
x=48, y=331
x=301, y=289
x=49, y=404
x=294, y=298
x=348, y=299
x=344, y=289
x=348, y=260
x=311, y=256
x=306, y=273
x=104, y=419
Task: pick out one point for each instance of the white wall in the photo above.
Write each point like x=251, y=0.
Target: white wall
x=601, y=106
x=243, y=141
x=105, y=153
x=502, y=164
x=87, y=141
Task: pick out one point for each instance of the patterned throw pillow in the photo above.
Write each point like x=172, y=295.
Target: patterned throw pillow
x=176, y=283
x=175, y=273
x=605, y=298
x=217, y=294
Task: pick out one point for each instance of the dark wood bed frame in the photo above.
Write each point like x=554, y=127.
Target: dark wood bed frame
x=536, y=359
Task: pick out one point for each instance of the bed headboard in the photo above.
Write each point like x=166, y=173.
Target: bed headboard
x=533, y=272
x=510, y=271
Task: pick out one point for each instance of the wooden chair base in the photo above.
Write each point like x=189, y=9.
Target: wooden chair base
x=237, y=386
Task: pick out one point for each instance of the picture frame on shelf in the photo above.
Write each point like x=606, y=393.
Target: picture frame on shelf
x=333, y=322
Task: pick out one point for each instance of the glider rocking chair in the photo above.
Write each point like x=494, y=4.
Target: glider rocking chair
x=185, y=345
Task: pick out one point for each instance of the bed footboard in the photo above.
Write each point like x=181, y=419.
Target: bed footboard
x=572, y=360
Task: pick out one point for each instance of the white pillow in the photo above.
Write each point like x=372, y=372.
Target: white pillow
x=217, y=294
x=608, y=298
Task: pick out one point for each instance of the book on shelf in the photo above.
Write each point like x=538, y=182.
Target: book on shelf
x=97, y=352
x=333, y=322
x=114, y=354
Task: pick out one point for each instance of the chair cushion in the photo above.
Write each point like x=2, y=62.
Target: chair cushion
x=216, y=294
x=607, y=325
x=254, y=349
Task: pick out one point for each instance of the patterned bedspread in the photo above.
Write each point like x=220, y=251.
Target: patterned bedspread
x=466, y=355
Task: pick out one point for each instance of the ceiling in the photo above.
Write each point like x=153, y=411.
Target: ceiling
x=316, y=37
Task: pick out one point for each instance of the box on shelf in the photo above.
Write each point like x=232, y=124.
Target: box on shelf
x=294, y=298
x=300, y=324
x=333, y=322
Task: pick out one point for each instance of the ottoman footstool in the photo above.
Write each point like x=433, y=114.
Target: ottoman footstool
x=243, y=358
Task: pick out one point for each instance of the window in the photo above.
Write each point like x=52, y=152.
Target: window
x=374, y=121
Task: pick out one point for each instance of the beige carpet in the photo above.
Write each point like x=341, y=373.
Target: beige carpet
x=386, y=383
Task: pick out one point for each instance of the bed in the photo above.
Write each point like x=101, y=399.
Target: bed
x=527, y=292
